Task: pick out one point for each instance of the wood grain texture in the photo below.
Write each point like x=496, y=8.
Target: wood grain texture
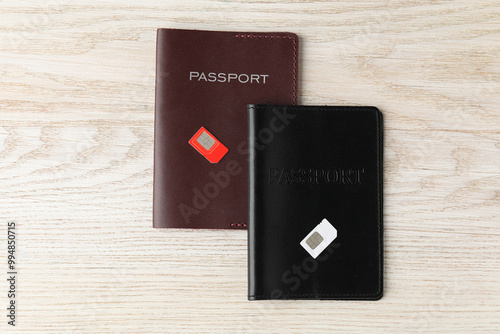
x=76, y=161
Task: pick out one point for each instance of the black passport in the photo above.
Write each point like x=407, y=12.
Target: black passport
x=315, y=202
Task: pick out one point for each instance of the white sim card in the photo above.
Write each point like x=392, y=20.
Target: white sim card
x=319, y=238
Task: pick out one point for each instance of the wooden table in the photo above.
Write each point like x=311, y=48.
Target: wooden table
x=76, y=162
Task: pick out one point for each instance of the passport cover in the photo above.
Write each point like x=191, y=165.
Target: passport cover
x=308, y=165
x=204, y=81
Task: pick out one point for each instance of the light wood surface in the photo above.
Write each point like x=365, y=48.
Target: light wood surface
x=76, y=162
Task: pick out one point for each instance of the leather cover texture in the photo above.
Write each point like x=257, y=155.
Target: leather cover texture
x=206, y=79
x=310, y=163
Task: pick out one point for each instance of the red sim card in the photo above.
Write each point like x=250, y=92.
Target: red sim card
x=208, y=146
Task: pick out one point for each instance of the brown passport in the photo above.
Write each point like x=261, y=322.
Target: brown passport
x=204, y=81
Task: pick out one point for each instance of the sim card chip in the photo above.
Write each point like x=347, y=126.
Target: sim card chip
x=314, y=240
x=206, y=141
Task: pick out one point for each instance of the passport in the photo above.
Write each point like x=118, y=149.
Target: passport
x=315, y=202
x=204, y=81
